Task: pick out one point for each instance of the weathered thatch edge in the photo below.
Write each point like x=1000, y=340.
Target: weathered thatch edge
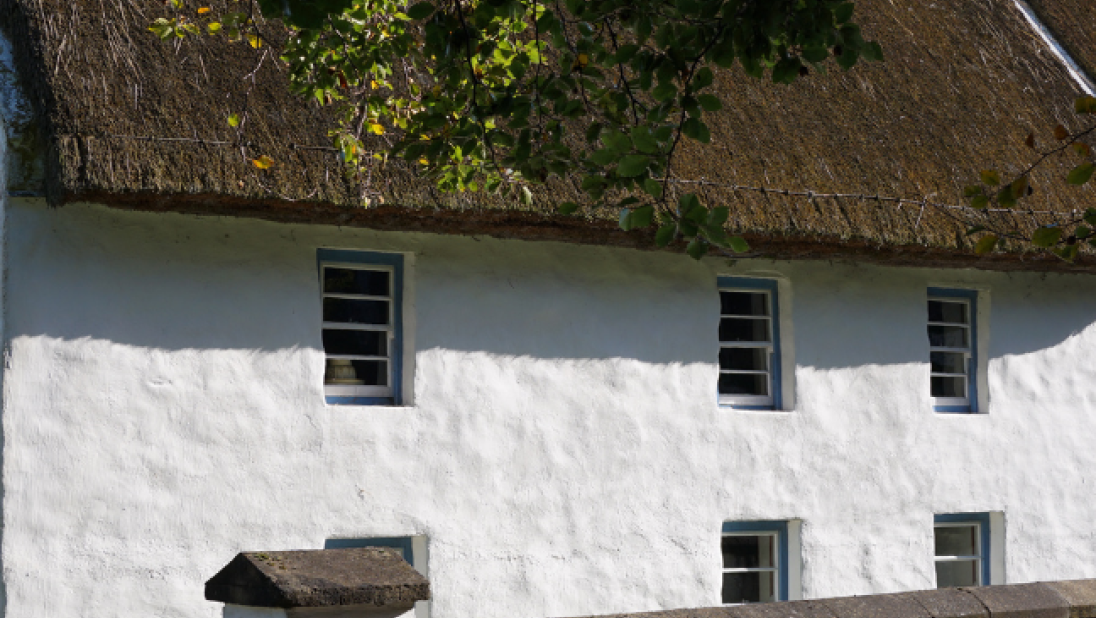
x=535, y=226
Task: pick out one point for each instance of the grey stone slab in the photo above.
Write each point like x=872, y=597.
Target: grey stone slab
x=1022, y=601
x=1080, y=594
x=378, y=577
x=696, y=612
x=877, y=606
x=949, y=603
x=789, y=609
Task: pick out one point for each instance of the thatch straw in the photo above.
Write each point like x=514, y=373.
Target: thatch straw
x=1073, y=23
x=136, y=123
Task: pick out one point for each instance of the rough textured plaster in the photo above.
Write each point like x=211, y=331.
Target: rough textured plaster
x=565, y=455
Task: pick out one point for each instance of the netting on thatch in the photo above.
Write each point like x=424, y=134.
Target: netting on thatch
x=136, y=122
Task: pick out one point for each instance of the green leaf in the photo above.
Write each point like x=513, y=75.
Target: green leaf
x=872, y=52
x=665, y=234
x=1081, y=174
x=972, y=190
x=1090, y=216
x=593, y=132
x=632, y=165
x=686, y=203
x=1046, y=236
x=592, y=183
x=664, y=91
x=643, y=140
x=979, y=201
x=697, y=249
x=1005, y=197
x=843, y=13
x=786, y=70
x=719, y=215
x=568, y=208
x=604, y=157
x=421, y=10
x=709, y=102
x=990, y=177
x=642, y=216
x=985, y=244
x=616, y=140
x=697, y=130
x=739, y=244
x=652, y=187
x=1083, y=232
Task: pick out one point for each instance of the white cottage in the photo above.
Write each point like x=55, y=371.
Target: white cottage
x=202, y=358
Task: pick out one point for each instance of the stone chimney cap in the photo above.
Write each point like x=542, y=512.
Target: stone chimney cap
x=374, y=576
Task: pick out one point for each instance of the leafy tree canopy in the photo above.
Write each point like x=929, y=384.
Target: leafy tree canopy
x=501, y=95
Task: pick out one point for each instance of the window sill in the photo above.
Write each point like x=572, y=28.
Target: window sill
x=743, y=408
x=954, y=410
x=372, y=402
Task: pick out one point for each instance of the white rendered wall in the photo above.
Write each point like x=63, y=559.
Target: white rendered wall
x=564, y=456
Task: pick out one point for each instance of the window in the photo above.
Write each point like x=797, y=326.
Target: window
x=952, y=349
x=962, y=544
x=362, y=296
x=755, y=562
x=749, y=344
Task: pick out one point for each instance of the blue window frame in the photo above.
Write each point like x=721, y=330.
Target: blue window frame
x=953, y=349
x=749, y=344
x=962, y=544
x=755, y=562
x=361, y=295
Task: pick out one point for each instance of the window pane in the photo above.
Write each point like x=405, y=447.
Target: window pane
x=744, y=384
x=749, y=587
x=948, y=362
x=944, y=311
x=744, y=329
x=359, y=342
x=949, y=387
x=356, y=372
x=748, y=552
x=957, y=540
x=355, y=281
x=355, y=311
x=948, y=336
x=755, y=359
x=744, y=303
x=953, y=574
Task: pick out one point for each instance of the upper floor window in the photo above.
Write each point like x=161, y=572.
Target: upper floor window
x=361, y=295
x=962, y=550
x=953, y=349
x=749, y=344
x=755, y=562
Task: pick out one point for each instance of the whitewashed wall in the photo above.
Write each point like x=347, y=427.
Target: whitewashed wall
x=163, y=410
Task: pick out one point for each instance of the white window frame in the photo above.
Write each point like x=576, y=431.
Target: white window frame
x=784, y=535
x=770, y=346
x=343, y=390
x=979, y=556
x=956, y=403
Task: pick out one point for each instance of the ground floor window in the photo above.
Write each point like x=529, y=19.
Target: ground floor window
x=962, y=550
x=755, y=562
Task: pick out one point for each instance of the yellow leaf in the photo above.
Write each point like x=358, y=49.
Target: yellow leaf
x=424, y=161
x=264, y=162
x=990, y=177
x=583, y=59
x=203, y=10
x=376, y=128
x=234, y=120
x=373, y=84
x=254, y=41
x=214, y=28
x=985, y=244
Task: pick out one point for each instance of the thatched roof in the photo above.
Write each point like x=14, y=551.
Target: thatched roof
x=1073, y=23
x=136, y=123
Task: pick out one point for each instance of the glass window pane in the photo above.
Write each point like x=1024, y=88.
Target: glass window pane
x=948, y=362
x=355, y=311
x=749, y=551
x=949, y=387
x=944, y=311
x=358, y=342
x=957, y=540
x=948, y=336
x=744, y=384
x=749, y=587
x=744, y=303
x=356, y=372
x=356, y=281
x=749, y=359
x=954, y=574
x=744, y=329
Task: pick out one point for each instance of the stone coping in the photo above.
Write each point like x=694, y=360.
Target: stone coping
x=378, y=577
x=1060, y=599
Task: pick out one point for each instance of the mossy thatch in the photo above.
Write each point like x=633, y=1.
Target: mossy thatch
x=136, y=123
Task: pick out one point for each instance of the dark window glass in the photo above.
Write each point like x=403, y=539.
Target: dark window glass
x=744, y=329
x=948, y=362
x=744, y=587
x=750, y=359
x=340, y=372
x=743, y=384
x=355, y=311
x=948, y=336
x=955, y=574
x=949, y=387
x=957, y=540
x=944, y=311
x=356, y=342
x=744, y=303
x=356, y=281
